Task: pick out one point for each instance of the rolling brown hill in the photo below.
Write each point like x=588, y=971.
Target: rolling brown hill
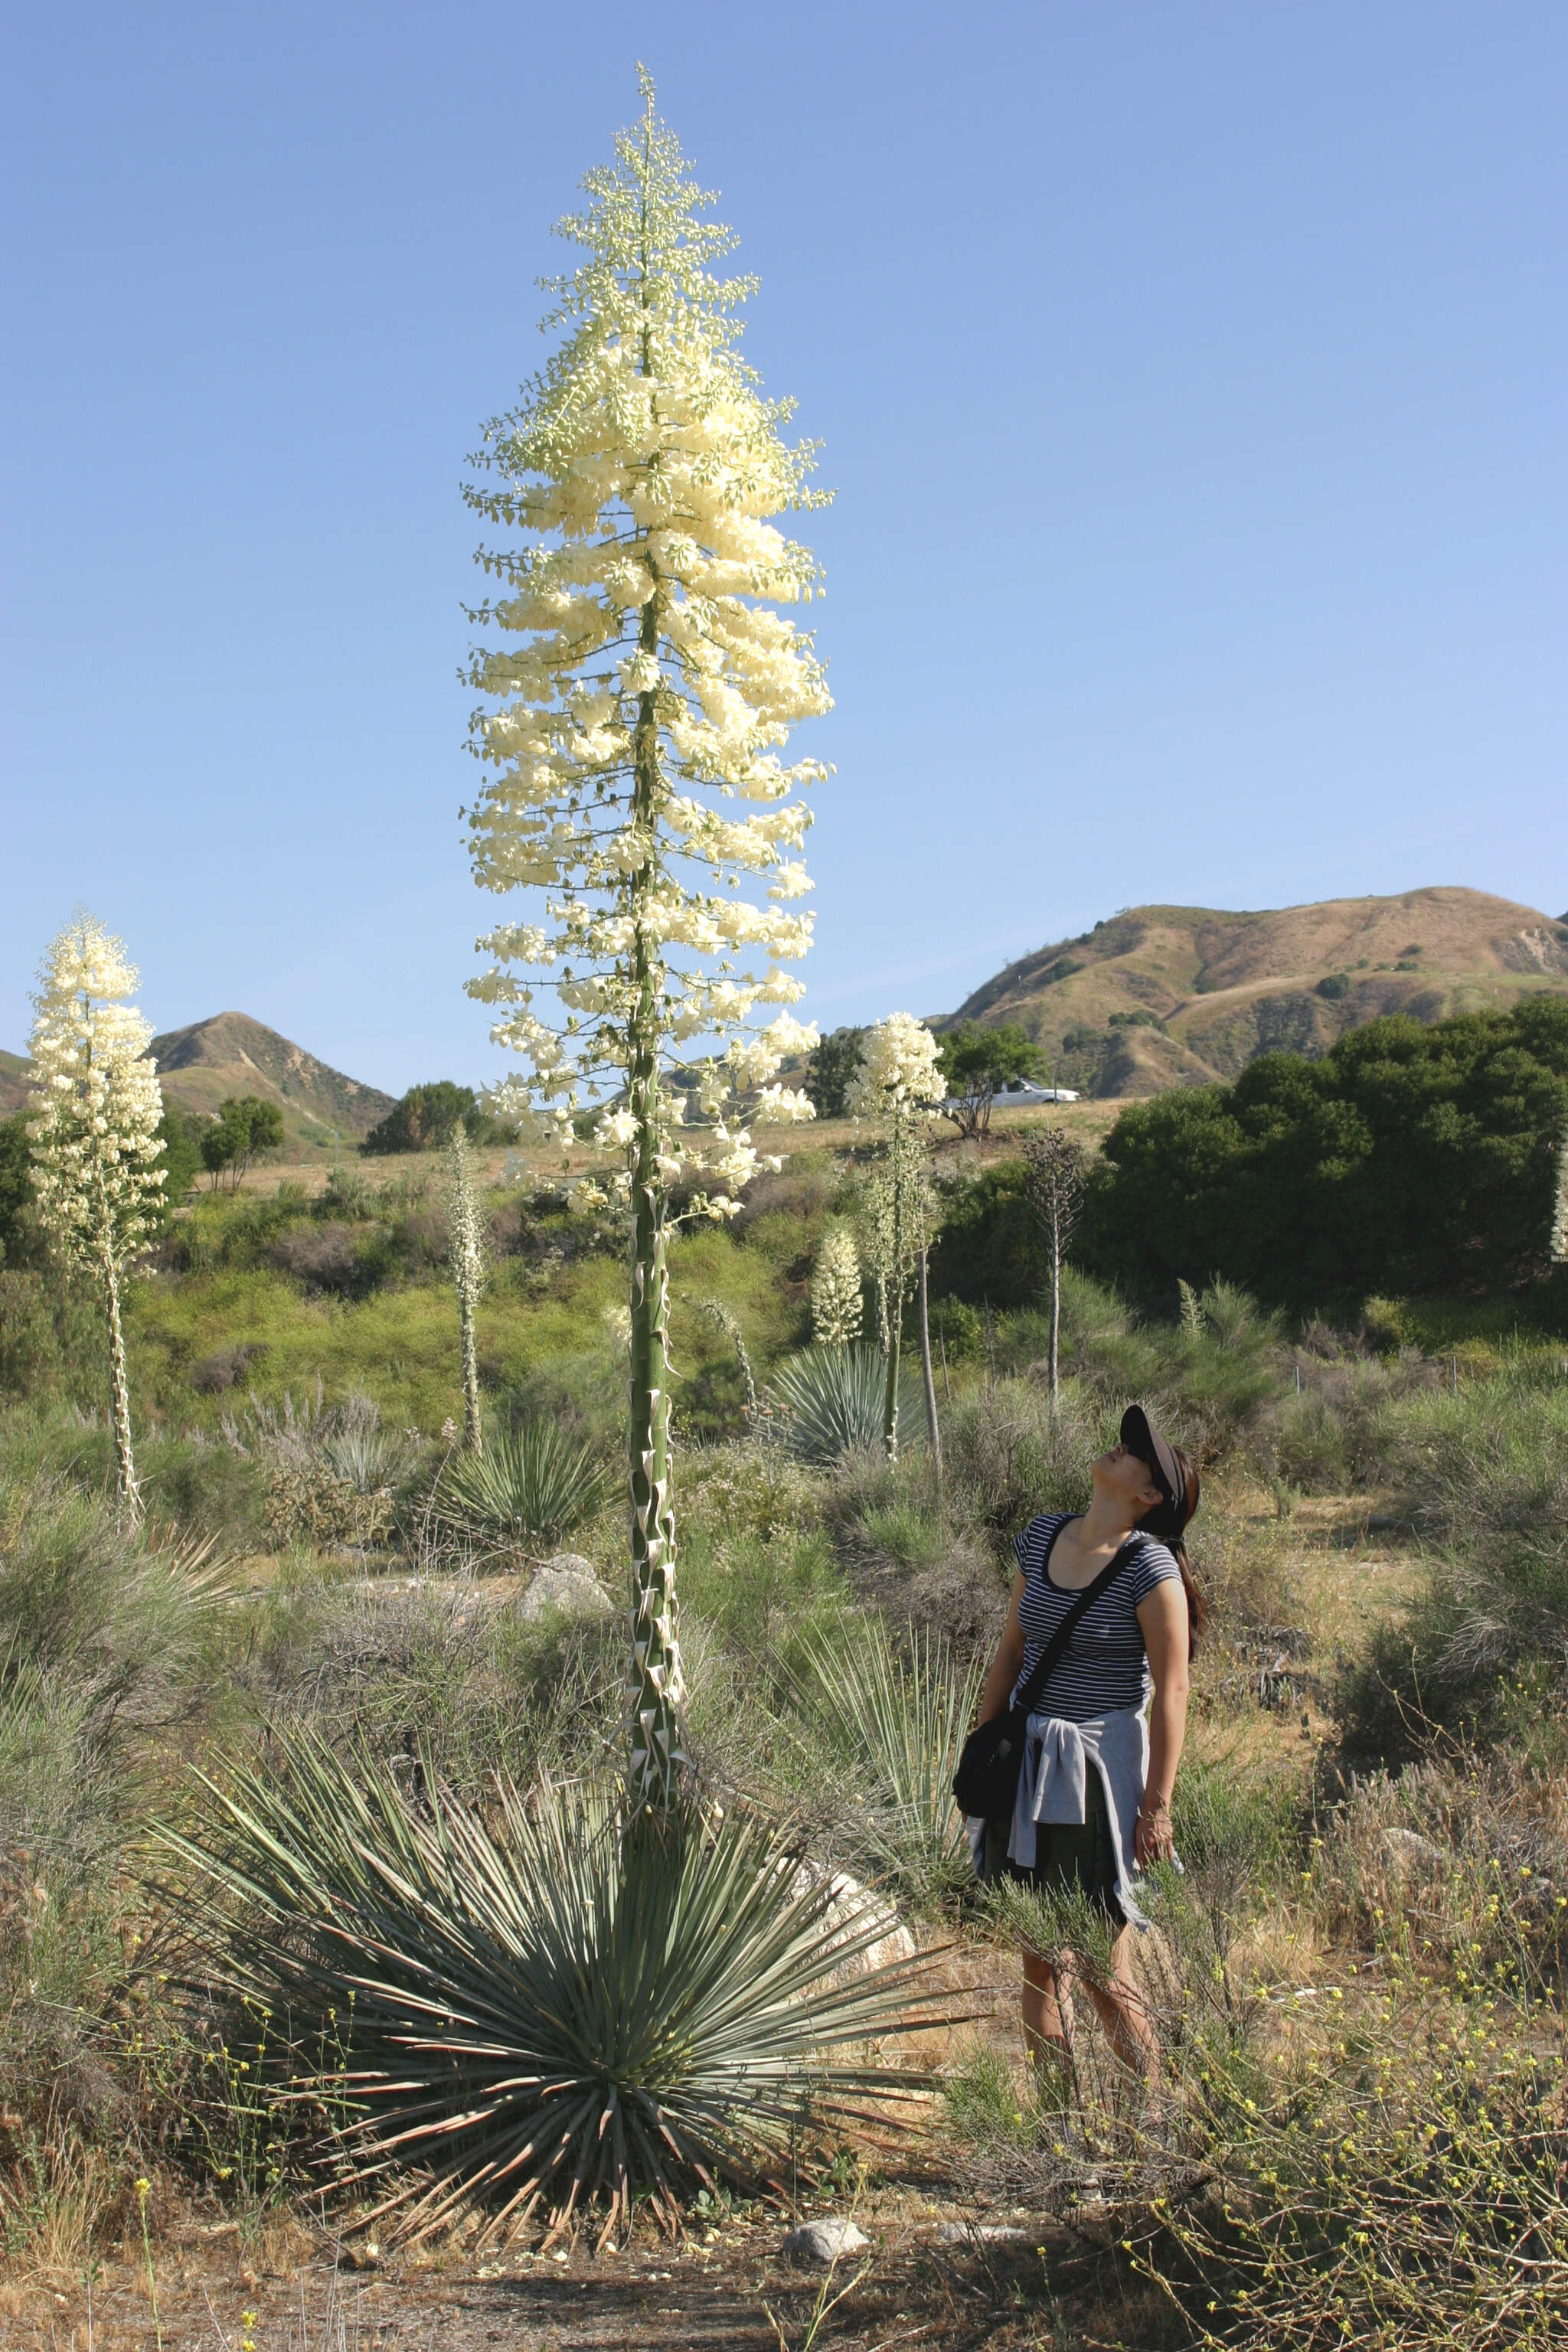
x=1162, y=997
x=198, y=1068
x=232, y=1055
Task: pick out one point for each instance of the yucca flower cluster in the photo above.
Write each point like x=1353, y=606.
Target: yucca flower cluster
x=93, y=1130
x=836, y=1305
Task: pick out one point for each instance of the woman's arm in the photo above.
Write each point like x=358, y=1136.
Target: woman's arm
x=1163, y=1618
x=1008, y=1663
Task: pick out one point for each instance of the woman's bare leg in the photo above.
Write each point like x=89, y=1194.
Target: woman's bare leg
x=1124, y=2013
x=1046, y=2005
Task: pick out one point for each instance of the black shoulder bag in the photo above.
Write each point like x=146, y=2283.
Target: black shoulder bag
x=986, y=1780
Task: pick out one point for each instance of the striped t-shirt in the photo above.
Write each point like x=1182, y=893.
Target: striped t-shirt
x=1105, y=1667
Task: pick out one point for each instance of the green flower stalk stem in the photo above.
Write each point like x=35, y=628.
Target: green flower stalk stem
x=467, y=1263
x=896, y=1312
x=658, y=1684
x=119, y=1385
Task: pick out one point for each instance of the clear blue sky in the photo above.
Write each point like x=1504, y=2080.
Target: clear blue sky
x=1191, y=377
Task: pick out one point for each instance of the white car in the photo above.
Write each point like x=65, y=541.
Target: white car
x=1015, y=1092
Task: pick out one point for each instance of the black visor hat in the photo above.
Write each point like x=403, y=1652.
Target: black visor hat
x=1171, y=1514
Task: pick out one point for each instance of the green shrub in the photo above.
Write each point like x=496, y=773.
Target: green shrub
x=1483, y=1474
x=122, y=1617
x=528, y=1488
x=1008, y=1455
x=1407, y=1159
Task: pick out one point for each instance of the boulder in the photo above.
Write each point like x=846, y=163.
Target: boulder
x=850, y=1908
x=825, y=2242
x=567, y=1582
x=1411, y=1856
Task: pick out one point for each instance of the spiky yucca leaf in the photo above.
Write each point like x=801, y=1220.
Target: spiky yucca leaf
x=546, y=2004
x=832, y=1402
x=530, y=1486
x=901, y=1714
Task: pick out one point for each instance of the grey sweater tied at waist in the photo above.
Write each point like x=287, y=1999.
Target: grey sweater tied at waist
x=1053, y=1787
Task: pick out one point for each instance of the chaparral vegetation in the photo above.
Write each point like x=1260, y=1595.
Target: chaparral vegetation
x=485, y=1635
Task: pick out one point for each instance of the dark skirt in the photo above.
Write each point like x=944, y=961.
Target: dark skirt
x=1066, y=1853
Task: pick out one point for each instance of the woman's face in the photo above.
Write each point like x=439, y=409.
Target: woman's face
x=1127, y=1477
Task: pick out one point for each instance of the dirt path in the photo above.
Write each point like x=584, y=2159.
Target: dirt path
x=734, y=2294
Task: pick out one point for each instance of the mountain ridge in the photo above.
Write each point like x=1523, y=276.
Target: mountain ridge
x=232, y=1053
x=1159, y=995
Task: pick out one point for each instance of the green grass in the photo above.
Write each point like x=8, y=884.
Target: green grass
x=401, y=1341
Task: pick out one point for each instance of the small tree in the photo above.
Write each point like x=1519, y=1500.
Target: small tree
x=466, y=1256
x=896, y=1081
x=243, y=1128
x=1055, y=1166
x=96, y=1106
x=650, y=689
x=836, y=1310
x=830, y=1069
x=976, y=1063
x=425, y=1118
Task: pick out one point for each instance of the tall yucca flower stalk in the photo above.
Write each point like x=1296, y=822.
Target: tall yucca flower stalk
x=466, y=1256
x=1559, y=1243
x=96, y=1105
x=896, y=1085
x=651, y=687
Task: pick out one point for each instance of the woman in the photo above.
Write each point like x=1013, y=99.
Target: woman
x=1094, y=1790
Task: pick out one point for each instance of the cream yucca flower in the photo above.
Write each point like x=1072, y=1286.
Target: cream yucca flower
x=95, y=1108
x=837, y=1313
x=898, y=1070
x=633, y=736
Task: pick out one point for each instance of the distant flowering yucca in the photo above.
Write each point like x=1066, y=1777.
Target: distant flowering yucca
x=1559, y=1208
x=465, y=1251
x=632, y=735
x=836, y=1312
x=96, y=1106
x=897, y=1084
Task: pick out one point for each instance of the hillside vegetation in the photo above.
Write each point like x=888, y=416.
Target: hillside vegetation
x=1184, y=995
x=1357, y=1980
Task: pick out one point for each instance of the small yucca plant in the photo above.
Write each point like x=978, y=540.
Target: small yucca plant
x=900, y=1716
x=530, y=1486
x=548, y=2004
x=832, y=1400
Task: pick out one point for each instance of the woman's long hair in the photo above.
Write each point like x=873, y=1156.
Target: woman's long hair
x=1160, y=1524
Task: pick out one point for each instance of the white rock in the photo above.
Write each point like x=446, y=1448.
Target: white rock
x=851, y=1908
x=1412, y=1854
x=825, y=2242
x=568, y=1582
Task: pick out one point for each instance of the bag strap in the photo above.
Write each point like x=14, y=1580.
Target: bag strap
x=1050, y=1657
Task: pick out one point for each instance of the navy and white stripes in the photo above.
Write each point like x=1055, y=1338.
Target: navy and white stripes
x=1105, y=1667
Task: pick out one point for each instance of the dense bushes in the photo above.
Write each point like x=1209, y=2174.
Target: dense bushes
x=1409, y=1159
x=428, y=1116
